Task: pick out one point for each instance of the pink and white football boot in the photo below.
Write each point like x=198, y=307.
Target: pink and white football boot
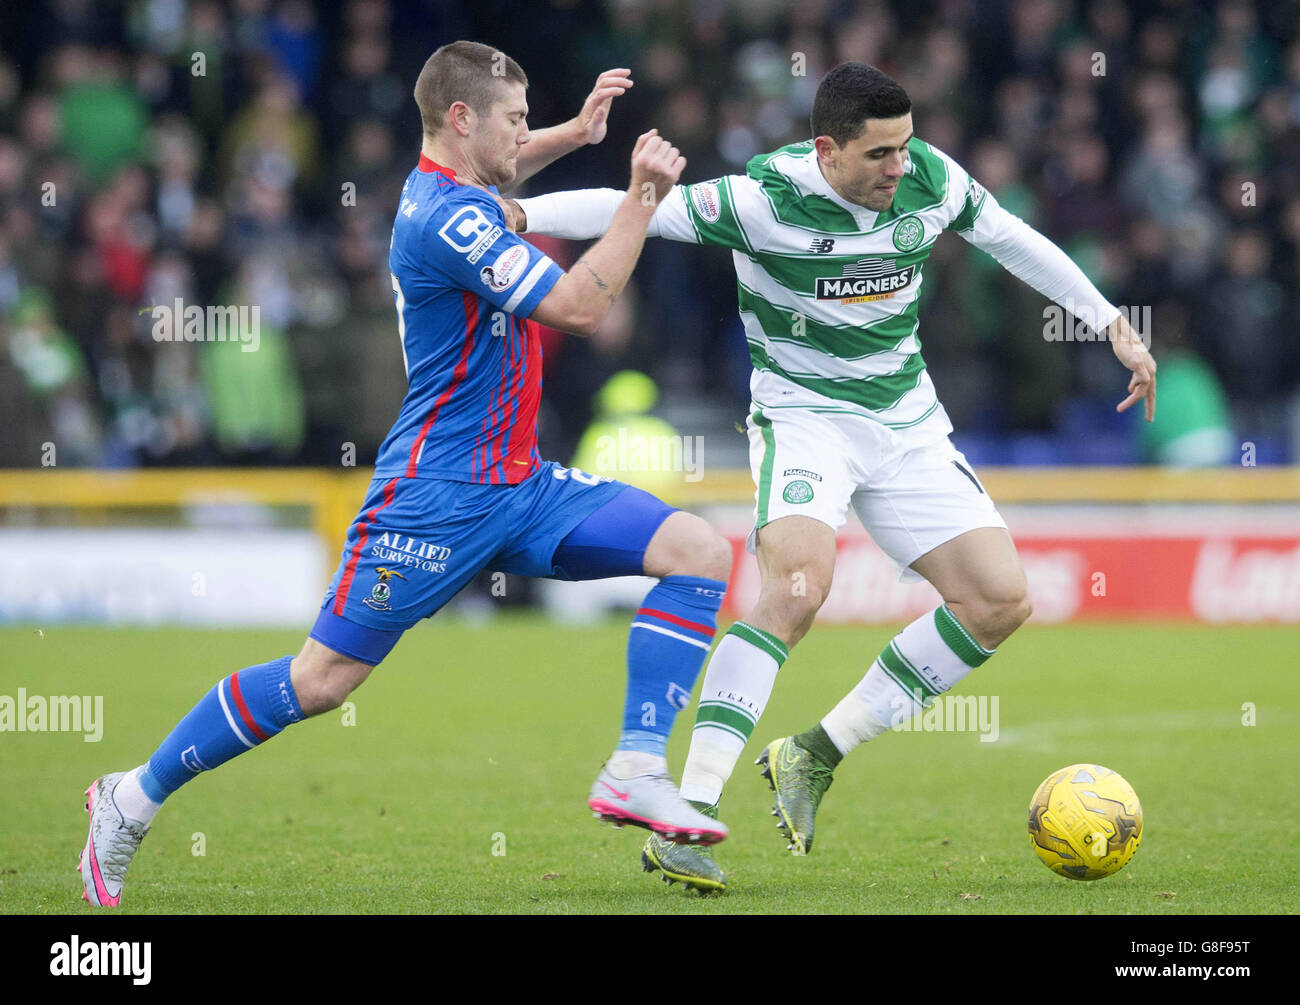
x=113, y=841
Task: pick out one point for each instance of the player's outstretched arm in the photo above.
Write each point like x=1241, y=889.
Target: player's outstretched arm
x=1034, y=258
x=579, y=214
x=582, y=297
x=585, y=213
x=730, y=212
x=588, y=126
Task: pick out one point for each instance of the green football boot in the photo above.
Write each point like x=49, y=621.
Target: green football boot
x=690, y=865
x=799, y=778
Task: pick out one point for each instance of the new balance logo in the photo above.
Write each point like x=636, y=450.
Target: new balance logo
x=822, y=245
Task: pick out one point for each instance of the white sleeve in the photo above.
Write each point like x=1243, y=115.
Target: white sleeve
x=1030, y=256
x=579, y=215
x=586, y=213
x=671, y=219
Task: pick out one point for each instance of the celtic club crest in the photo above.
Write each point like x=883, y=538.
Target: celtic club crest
x=908, y=233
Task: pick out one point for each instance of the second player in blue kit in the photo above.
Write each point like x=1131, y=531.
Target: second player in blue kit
x=460, y=485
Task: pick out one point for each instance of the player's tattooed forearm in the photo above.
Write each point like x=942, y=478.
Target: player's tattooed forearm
x=600, y=283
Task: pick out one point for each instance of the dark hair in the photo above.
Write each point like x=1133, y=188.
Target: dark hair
x=462, y=71
x=852, y=93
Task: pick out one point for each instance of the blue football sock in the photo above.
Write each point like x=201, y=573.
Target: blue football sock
x=243, y=710
x=670, y=638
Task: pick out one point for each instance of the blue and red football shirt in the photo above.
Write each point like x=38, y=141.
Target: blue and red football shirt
x=465, y=286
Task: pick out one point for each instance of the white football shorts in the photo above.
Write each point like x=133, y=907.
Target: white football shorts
x=911, y=498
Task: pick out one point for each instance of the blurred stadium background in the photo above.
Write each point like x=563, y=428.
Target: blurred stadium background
x=251, y=153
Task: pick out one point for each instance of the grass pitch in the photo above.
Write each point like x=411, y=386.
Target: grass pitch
x=462, y=785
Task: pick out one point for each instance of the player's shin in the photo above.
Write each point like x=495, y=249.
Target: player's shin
x=737, y=685
x=927, y=658
x=668, y=641
x=240, y=712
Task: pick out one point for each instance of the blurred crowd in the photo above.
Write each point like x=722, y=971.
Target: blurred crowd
x=252, y=152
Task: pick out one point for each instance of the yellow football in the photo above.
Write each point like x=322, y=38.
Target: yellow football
x=1085, y=821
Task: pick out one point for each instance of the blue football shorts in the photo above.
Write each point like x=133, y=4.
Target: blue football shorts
x=416, y=542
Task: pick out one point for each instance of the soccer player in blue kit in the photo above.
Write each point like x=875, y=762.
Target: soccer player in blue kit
x=459, y=484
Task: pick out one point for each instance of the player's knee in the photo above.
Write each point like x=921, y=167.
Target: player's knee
x=806, y=598
x=322, y=682
x=803, y=588
x=697, y=549
x=1016, y=610
x=995, y=617
x=715, y=557
x=793, y=600
x=329, y=691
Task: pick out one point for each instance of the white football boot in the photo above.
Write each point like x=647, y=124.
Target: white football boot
x=653, y=802
x=113, y=841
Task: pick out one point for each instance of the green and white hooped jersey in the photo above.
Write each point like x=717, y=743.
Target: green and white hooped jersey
x=828, y=289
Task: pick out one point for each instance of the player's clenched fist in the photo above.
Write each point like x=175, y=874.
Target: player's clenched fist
x=656, y=166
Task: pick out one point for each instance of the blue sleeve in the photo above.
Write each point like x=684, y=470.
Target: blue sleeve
x=467, y=241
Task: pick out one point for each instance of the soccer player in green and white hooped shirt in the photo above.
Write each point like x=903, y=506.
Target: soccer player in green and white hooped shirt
x=830, y=238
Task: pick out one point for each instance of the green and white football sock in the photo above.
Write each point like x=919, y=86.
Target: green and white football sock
x=737, y=685
x=927, y=658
